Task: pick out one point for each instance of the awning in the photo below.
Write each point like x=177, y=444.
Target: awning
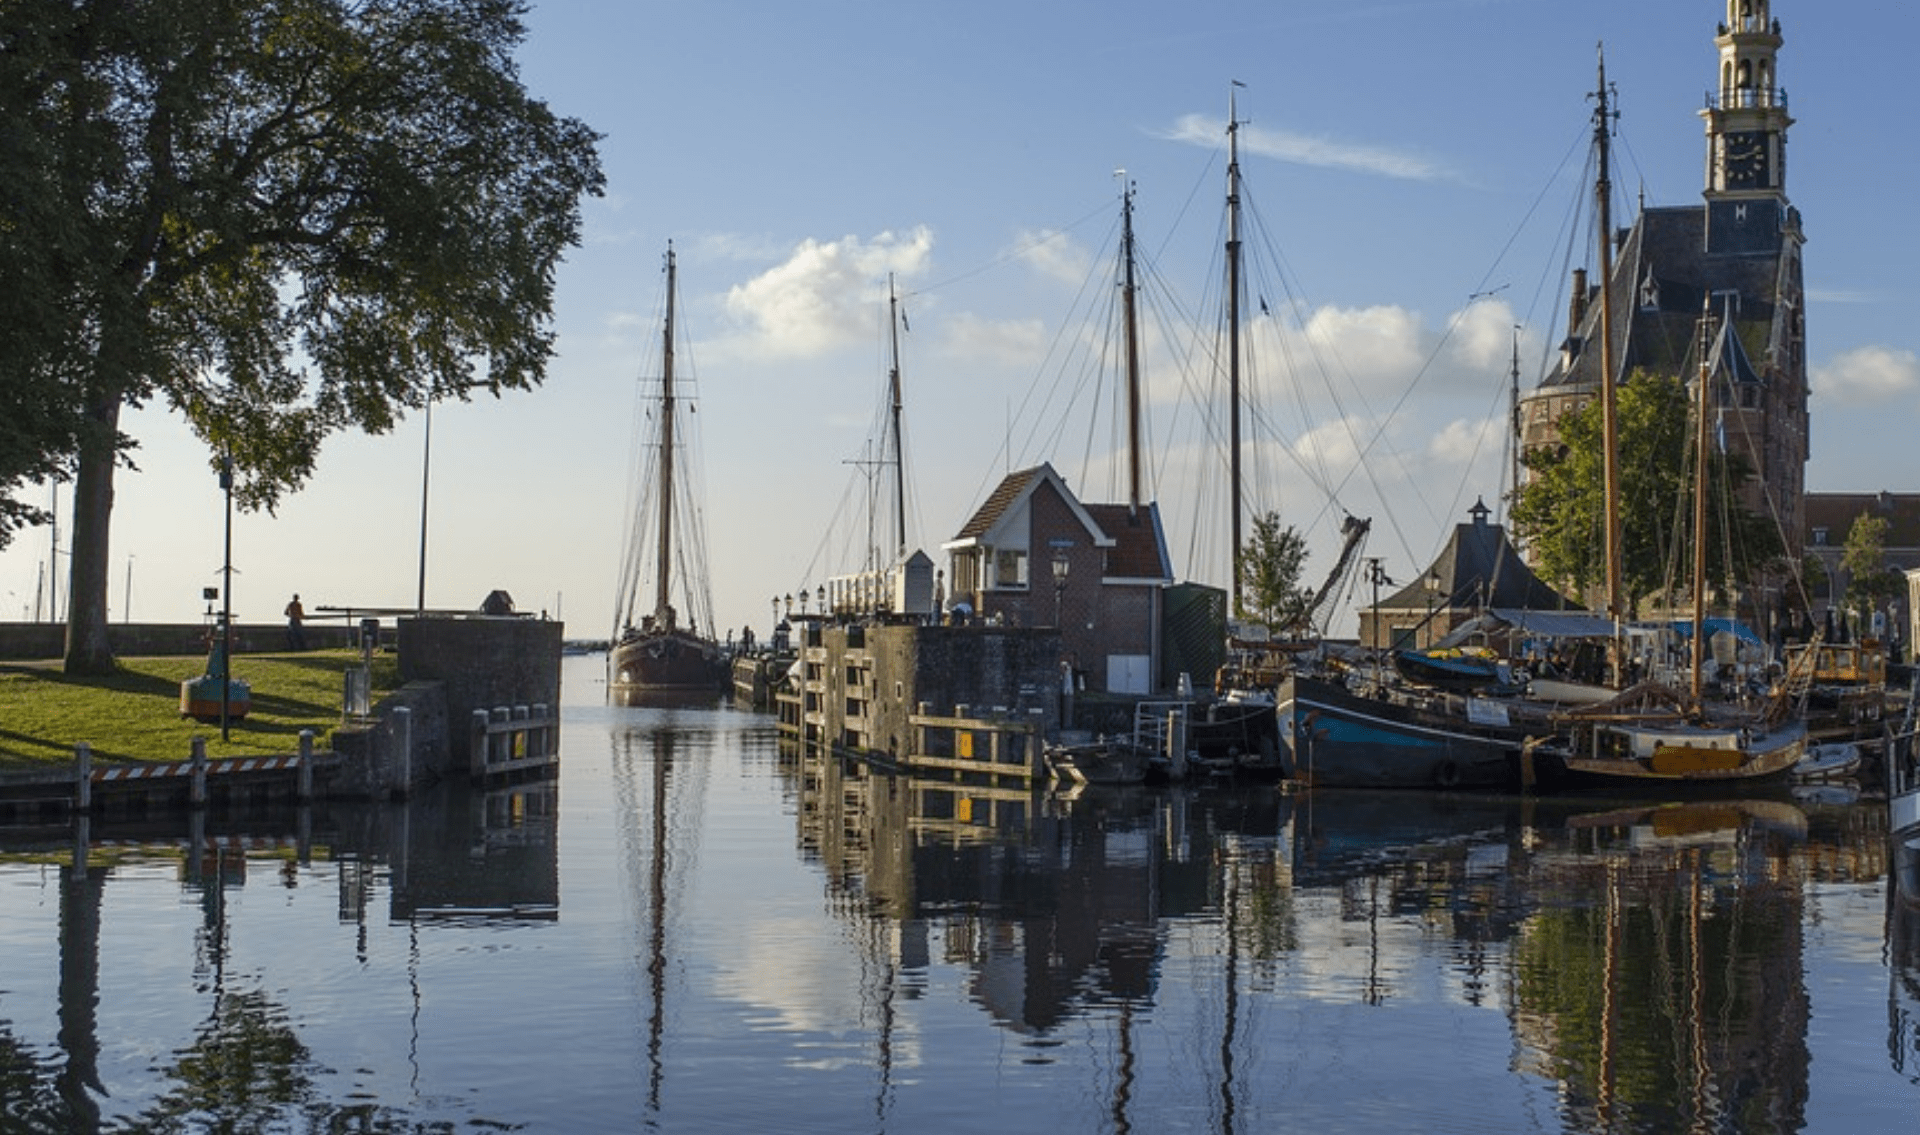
x=1684, y=628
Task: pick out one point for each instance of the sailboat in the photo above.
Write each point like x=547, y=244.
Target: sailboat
x=659, y=652
x=1652, y=735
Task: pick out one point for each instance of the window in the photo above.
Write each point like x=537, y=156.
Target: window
x=1820, y=537
x=1010, y=568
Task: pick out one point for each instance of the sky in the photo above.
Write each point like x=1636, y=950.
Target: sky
x=1415, y=200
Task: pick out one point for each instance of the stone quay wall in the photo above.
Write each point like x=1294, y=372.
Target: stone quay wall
x=27, y=642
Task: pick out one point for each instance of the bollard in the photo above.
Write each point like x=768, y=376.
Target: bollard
x=519, y=743
x=542, y=744
x=477, y=744
x=303, y=779
x=83, y=777
x=1177, y=744
x=498, y=739
x=403, y=757
x=197, y=790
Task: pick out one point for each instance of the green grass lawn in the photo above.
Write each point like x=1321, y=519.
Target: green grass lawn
x=134, y=713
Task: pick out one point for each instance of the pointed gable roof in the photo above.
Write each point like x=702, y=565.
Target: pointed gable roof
x=1008, y=499
x=1479, y=568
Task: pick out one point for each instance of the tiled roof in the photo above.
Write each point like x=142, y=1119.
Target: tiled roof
x=1137, y=551
x=1836, y=513
x=1000, y=500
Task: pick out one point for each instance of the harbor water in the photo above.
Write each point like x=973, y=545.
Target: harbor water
x=695, y=929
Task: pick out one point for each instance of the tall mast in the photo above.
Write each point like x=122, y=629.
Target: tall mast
x=1233, y=330
x=899, y=458
x=1700, y=509
x=663, y=594
x=1603, y=190
x=1133, y=359
x=1513, y=413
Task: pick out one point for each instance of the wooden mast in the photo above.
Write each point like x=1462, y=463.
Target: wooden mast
x=1603, y=191
x=899, y=457
x=663, y=594
x=1700, y=509
x=1233, y=334
x=1133, y=357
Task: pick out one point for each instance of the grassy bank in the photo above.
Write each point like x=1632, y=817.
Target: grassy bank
x=134, y=713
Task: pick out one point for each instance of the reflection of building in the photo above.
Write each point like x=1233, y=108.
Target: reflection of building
x=1034, y=555
x=1737, y=253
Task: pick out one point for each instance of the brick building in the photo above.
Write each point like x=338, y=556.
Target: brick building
x=1033, y=555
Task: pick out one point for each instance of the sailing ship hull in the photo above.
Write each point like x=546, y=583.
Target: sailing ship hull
x=1674, y=758
x=673, y=661
x=1337, y=738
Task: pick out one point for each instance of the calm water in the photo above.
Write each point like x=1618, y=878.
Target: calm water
x=695, y=931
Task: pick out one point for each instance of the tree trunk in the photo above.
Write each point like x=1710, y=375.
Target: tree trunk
x=88, y=649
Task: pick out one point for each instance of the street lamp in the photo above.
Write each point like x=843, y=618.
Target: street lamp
x=1060, y=567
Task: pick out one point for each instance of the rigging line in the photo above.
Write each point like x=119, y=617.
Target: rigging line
x=1060, y=352
x=1005, y=258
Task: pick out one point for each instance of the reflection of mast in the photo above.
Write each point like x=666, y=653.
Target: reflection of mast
x=657, y=917
x=79, y=1080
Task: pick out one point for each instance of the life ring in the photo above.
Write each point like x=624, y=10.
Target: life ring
x=1446, y=774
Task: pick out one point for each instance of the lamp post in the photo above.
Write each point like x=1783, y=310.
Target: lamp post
x=226, y=603
x=1060, y=567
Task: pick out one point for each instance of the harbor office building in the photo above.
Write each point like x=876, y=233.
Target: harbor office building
x=1736, y=256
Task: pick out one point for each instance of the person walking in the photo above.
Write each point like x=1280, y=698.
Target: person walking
x=296, y=614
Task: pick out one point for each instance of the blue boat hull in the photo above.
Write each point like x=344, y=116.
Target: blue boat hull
x=1338, y=738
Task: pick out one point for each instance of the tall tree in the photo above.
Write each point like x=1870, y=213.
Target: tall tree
x=1560, y=510
x=1270, y=567
x=281, y=218
x=1869, y=579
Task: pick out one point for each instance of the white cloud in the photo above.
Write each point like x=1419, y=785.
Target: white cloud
x=1867, y=376
x=1019, y=344
x=1303, y=149
x=1055, y=255
x=822, y=297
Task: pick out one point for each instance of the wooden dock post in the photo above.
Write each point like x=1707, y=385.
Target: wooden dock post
x=401, y=771
x=303, y=779
x=83, y=777
x=477, y=742
x=197, y=785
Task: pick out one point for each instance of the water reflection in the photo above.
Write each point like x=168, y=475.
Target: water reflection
x=1653, y=968
x=453, y=855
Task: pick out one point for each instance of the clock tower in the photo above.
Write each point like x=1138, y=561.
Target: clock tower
x=1747, y=122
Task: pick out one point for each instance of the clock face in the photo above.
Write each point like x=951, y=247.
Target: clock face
x=1746, y=160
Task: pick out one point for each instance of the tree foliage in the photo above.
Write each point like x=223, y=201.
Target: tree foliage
x=1270, y=568
x=1869, y=579
x=1560, y=511
x=279, y=218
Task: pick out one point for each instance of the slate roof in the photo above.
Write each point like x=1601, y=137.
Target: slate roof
x=1479, y=568
x=1662, y=278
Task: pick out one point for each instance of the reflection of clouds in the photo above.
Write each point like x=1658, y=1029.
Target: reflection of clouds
x=807, y=982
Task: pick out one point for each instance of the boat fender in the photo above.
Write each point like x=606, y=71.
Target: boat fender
x=1446, y=774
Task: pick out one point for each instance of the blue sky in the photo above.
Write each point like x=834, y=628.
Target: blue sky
x=1413, y=170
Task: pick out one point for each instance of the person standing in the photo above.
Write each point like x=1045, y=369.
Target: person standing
x=296, y=614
